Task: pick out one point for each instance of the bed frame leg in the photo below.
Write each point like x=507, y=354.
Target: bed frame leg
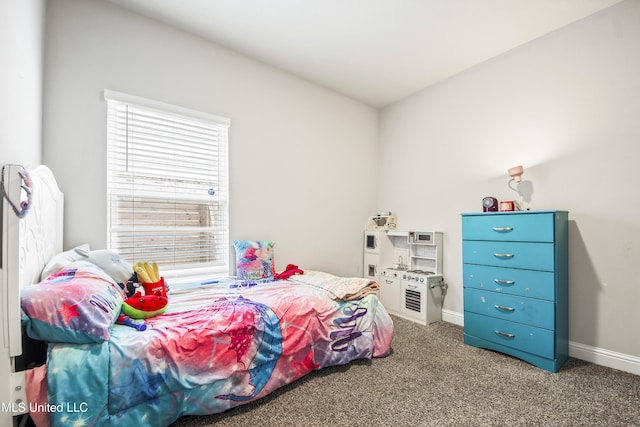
x=17, y=403
x=19, y=393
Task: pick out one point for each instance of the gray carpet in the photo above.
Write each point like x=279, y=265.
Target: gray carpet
x=432, y=379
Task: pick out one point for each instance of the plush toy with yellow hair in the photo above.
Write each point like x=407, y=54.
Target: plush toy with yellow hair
x=154, y=301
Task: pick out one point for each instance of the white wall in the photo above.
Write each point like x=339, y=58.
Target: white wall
x=21, y=49
x=21, y=46
x=300, y=155
x=566, y=106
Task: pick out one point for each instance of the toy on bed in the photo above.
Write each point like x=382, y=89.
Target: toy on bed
x=136, y=305
x=127, y=321
x=290, y=270
x=154, y=301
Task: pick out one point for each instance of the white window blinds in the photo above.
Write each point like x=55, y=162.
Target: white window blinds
x=167, y=185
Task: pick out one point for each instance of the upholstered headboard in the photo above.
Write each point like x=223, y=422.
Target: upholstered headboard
x=27, y=242
x=41, y=230
x=29, y=239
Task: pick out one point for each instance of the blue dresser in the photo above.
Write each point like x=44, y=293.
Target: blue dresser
x=515, y=278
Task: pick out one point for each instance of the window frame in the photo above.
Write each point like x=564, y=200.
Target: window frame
x=180, y=273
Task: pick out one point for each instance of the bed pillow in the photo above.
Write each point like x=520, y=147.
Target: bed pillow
x=109, y=261
x=79, y=304
x=254, y=259
x=62, y=260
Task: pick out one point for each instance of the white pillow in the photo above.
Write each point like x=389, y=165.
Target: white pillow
x=109, y=261
x=62, y=260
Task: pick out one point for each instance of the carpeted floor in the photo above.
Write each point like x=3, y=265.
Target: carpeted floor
x=432, y=379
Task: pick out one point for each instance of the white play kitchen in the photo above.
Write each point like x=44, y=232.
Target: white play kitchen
x=408, y=267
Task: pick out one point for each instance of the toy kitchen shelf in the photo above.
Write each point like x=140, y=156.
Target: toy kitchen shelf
x=422, y=248
x=407, y=250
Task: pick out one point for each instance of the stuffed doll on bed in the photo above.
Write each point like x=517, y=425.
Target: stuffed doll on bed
x=145, y=291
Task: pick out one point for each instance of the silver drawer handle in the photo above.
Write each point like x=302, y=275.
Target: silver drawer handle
x=503, y=255
x=502, y=228
x=504, y=282
x=388, y=281
x=504, y=334
x=504, y=308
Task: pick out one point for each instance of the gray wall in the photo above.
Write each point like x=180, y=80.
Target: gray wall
x=21, y=47
x=566, y=106
x=300, y=156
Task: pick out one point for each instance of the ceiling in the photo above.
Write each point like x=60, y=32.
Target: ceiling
x=375, y=51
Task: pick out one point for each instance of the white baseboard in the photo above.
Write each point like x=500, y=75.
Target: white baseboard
x=598, y=356
x=453, y=317
x=604, y=357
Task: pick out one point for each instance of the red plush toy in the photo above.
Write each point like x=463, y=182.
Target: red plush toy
x=154, y=301
x=288, y=272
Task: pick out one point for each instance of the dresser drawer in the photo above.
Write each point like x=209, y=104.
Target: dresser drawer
x=533, y=256
x=509, y=227
x=529, y=283
x=511, y=334
x=530, y=311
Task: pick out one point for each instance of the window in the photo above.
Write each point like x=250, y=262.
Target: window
x=167, y=186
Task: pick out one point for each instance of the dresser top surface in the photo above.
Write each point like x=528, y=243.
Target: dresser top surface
x=512, y=213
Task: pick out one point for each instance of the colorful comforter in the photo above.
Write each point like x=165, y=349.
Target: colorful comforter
x=216, y=347
x=339, y=288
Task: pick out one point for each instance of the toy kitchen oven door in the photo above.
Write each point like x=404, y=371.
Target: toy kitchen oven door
x=412, y=294
x=421, y=296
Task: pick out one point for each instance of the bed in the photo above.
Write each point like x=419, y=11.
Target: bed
x=220, y=343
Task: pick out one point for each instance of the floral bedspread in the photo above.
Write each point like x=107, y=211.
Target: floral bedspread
x=216, y=347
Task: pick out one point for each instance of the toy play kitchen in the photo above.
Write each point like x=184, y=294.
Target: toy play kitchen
x=408, y=267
